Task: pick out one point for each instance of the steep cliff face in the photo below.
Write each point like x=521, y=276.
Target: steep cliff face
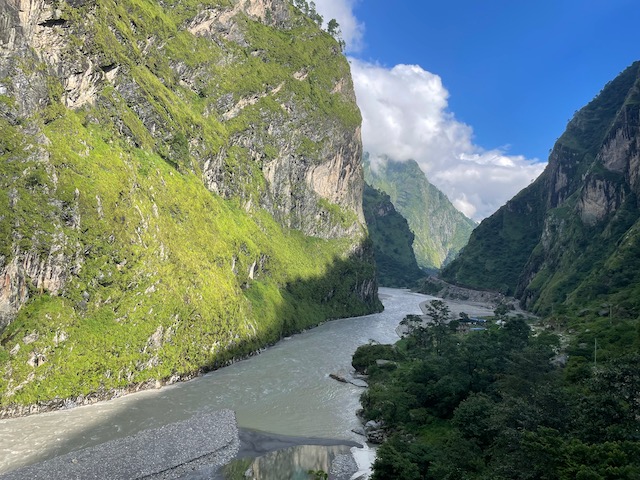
x=291, y=116
x=568, y=238
x=181, y=183
x=440, y=229
x=392, y=241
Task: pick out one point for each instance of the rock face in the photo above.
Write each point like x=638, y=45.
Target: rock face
x=167, y=166
x=375, y=432
x=570, y=237
x=305, y=159
x=440, y=230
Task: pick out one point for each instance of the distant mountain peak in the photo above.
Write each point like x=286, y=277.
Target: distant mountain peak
x=440, y=229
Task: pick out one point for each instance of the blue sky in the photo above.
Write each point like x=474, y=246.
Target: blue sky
x=493, y=81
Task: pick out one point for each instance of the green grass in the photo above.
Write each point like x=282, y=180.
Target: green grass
x=162, y=254
x=163, y=277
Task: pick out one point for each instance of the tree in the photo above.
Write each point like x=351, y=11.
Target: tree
x=333, y=28
x=439, y=329
x=473, y=419
x=515, y=333
x=391, y=463
x=313, y=14
x=438, y=311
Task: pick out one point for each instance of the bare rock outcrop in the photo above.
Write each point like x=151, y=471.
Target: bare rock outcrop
x=30, y=270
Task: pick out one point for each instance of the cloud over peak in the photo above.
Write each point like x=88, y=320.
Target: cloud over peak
x=405, y=116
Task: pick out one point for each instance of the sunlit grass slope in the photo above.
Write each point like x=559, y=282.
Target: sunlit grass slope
x=154, y=277
x=171, y=279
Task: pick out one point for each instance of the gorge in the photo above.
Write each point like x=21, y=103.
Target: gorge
x=182, y=187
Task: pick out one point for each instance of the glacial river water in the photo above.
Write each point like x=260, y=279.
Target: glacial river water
x=284, y=390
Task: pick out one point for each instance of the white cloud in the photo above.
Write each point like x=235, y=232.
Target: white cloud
x=342, y=10
x=405, y=116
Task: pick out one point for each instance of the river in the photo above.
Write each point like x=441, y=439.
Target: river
x=284, y=390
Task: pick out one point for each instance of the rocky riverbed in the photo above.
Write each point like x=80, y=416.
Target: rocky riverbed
x=197, y=448
x=171, y=451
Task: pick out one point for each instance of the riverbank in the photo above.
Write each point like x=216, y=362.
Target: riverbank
x=471, y=308
x=456, y=307
x=92, y=398
x=171, y=451
x=476, y=303
x=268, y=456
x=197, y=448
x=254, y=443
x=286, y=390
x=17, y=411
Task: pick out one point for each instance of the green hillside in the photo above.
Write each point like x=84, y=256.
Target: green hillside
x=440, y=229
x=153, y=222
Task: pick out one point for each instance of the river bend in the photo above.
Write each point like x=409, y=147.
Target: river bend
x=285, y=390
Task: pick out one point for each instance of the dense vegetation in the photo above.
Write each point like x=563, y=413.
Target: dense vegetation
x=158, y=277
x=514, y=403
x=440, y=230
x=498, y=404
x=392, y=241
x=499, y=248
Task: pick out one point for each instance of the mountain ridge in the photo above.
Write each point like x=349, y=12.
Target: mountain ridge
x=567, y=239
x=440, y=229
x=392, y=241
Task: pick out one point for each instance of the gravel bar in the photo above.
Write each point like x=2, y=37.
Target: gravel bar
x=172, y=451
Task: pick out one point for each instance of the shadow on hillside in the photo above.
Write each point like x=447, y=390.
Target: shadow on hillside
x=348, y=289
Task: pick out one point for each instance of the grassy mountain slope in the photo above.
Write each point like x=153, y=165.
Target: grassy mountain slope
x=392, y=240
x=440, y=230
x=163, y=206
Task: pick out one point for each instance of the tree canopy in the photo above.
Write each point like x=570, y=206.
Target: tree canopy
x=494, y=404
